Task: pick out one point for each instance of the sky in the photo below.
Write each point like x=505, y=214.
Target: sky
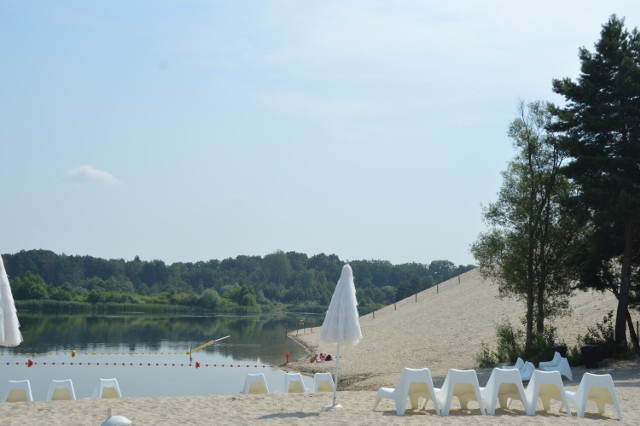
x=191, y=130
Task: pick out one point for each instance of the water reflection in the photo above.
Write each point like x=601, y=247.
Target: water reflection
x=250, y=336
x=147, y=352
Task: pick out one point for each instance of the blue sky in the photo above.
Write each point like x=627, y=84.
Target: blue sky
x=196, y=130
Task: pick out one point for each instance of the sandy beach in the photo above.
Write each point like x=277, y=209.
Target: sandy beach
x=441, y=328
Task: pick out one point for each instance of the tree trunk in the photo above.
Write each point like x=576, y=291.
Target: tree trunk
x=528, y=344
x=632, y=333
x=540, y=315
x=543, y=272
x=625, y=280
x=530, y=280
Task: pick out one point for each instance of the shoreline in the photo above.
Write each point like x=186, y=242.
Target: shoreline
x=440, y=328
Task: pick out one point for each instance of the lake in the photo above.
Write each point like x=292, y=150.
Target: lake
x=148, y=353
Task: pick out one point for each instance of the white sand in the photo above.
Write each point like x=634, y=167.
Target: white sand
x=442, y=330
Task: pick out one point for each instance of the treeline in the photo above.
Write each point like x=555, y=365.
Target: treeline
x=41, y=279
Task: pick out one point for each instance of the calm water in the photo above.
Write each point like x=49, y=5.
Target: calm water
x=148, y=353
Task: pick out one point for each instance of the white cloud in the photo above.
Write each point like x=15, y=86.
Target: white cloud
x=89, y=174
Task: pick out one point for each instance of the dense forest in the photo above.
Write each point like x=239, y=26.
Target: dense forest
x=43, y=280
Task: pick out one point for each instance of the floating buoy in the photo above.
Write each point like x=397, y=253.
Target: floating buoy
x=29, y=362
x=73, y=353
x=197, y=364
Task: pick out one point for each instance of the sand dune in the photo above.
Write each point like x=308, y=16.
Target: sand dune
x=443, y=329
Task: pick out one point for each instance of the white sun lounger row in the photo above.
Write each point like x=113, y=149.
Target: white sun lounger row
x=20, y=390
x=503, y=387
x=257, y=383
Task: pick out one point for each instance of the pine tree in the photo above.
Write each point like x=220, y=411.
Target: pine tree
x=600, y=132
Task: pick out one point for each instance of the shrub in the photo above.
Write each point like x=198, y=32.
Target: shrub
x=486, y=357
x=602, y=336
x=543, y=345
x=574, y=355
x=509, y=343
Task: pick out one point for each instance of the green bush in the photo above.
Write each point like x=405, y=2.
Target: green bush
x=510, y=343
x=314, y=308
x=486, y=357
x=543, y=345
x=574, y=355
x=602, y=336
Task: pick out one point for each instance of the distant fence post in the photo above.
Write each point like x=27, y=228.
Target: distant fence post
x=416, y=297
x=458, y=279
x=394, y=306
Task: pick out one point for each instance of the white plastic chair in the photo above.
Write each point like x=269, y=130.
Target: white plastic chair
x=527, y=371
x=61, y=390
x=18, y=391
x=462, y=384
x=546, y=385
x=107, y=389
x=293, y=383
x=255, y=384
x=524, y=367
x=558, y=363
x=413, y=384
x=554, y=361
x=323, y=382
x=503, y=386
x=598, y=388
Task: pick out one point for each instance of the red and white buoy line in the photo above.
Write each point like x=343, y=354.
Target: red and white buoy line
x=73, y=354
x=40, y=360
x=197, y=364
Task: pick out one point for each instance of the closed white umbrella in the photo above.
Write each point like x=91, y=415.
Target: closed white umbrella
x=341, y=324
x=9, y=326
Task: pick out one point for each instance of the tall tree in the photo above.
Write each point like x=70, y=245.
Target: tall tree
x=600, y=129
x=524, y=249
x=277, y=266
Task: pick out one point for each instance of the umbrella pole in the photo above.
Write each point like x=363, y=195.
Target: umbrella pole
x=335, y=389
